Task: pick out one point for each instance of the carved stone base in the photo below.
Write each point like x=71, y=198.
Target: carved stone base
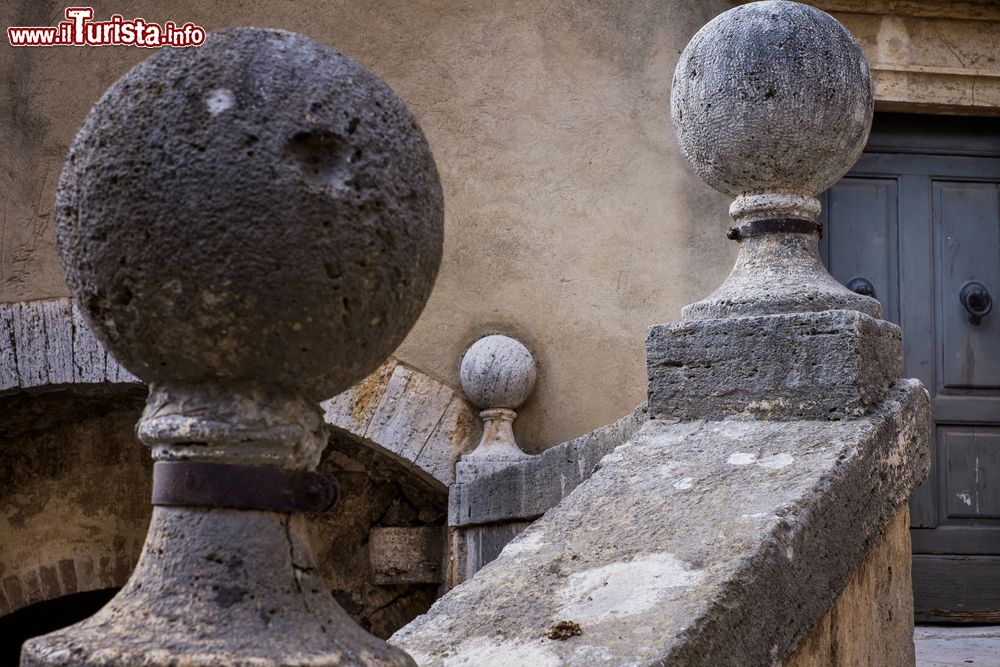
x=779, y=273
x=218, y=587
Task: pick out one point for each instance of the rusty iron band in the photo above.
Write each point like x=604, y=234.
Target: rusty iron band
x=200, y=484
x=774, y=226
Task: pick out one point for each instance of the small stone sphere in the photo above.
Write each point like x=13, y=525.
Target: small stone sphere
x=772, y=96
x=261, y=208
x=497, y=372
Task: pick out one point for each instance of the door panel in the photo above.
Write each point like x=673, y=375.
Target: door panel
x=865, y=245
x=972, y=472
x=966, y=408
x=916, y=254
x=967, y=229
x=943, y=585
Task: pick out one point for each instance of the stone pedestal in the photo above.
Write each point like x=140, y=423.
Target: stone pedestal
x=778, y=272
x=497, y=448
x=497, y=374
x=834, y=364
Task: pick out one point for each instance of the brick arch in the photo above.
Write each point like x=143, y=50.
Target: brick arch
x=398, y=410
x=77, y=573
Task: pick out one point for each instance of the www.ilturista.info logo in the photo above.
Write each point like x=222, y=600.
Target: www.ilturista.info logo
x=79, y=30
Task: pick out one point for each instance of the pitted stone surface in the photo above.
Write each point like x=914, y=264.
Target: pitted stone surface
x=731, y=540
x=497, y=372
x=836, y=364
x=259, y=207
x=772, y=96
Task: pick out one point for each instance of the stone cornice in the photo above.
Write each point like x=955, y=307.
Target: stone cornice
x=975, y=10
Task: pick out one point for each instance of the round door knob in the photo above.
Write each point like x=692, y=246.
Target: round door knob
x=976, y=299
x=862, y=286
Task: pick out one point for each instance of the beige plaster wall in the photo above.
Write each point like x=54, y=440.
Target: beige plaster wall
x=572, y=221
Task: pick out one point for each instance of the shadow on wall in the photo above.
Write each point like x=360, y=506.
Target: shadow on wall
x=74, y=489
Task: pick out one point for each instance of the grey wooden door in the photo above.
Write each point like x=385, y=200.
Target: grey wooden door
x=918, y=219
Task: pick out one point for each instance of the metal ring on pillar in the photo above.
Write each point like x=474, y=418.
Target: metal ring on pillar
x=774, y=226
x=202, y=484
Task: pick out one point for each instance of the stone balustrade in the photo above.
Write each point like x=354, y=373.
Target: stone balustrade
x=761, y=493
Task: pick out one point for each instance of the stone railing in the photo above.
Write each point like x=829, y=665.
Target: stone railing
x=487, y=510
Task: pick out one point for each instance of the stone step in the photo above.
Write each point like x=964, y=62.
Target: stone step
x=958, y=646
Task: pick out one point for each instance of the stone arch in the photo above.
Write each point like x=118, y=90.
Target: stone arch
x=410, y=416
x=58, y=385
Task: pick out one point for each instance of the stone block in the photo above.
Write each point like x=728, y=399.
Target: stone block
x=47, y=343
x=410, y=409
x=456, y=432
x=828, y=365
x=352, y=410
x=473, y=547
x=406, y=555
x=89, y=356
x=9, y=377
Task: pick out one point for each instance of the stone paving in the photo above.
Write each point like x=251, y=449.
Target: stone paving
x=940, y=645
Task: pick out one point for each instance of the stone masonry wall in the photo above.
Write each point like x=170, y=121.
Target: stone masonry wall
x=871, y=623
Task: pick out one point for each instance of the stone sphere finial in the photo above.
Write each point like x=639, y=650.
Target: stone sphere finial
x=772, y=103
x=497, y=375
x=497, y=372
x=261, y=208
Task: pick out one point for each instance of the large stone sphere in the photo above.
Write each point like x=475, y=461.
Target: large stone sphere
x=772, y=96
x=260, y=208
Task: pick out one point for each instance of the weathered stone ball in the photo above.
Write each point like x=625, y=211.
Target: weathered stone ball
x=260, y=208
x=772, y=96
x=497, y=372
